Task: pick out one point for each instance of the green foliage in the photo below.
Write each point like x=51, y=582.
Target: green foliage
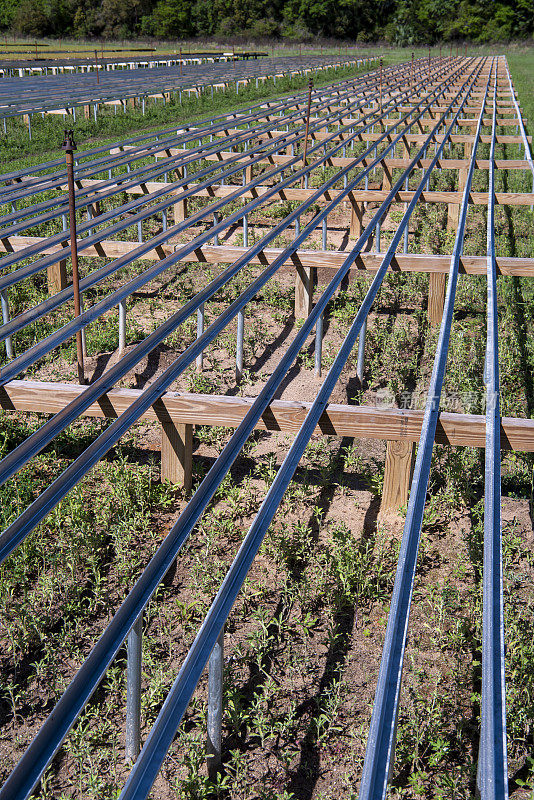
x=405, y=22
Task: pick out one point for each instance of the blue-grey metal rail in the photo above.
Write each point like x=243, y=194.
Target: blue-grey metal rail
x=164, y=729
x=380, y=750
x=492, y=777
x=47, y=741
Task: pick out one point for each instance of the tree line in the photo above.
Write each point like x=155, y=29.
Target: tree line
x=400, y=22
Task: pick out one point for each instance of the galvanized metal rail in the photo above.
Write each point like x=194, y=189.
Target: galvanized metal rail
x=380, y=749
x=380, y=752
x=32, y=268
x=492, y=776
x=24, y=96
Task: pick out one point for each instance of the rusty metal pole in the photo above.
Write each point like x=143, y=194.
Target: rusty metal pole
x=96, y=62
x=69, y=145
x=310, y=87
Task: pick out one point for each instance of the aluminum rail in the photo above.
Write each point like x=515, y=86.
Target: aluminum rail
x=29, y=448
x=36, y=312
x=164, y=729
x=379, y=755
x=49, y=738
x=142, y=174
x=28, y=520
x=33, y=353
x=85, y=169
x=112, y=161
x=190, y=133
x=492, y=778
x=211, y=125
x=120, y=86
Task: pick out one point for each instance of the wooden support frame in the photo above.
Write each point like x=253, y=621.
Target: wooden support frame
x=366, y=422
x=436, y=297
x=324, y=259
x=56, y=276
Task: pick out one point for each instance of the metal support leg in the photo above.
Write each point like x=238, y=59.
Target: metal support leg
x=318, y=345
x=200, y=331
x=133, y=690
x=215, y=704
x=245, y=231
x=324, y=233
x=239, y=347
x=361, y=352
x=122, y=326
x=5, y=319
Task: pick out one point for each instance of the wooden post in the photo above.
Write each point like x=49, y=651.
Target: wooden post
x=356, y=218
x=436, y=297
x=87, y=112
x=56, y=275
x=180, y=208
x=400, y=459
x=303, y=291
x=386, y=180
x=177, y=454
x=453, y=209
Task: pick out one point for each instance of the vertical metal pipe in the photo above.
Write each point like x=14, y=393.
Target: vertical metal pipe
x=310, y=87
x=96, y=62
x=133, y=689
x=5, y=318
x=215, y=705
x=318, y=345
x=324, y=233
x=69, y=145
x=245, y=231
x=215, y=235
x=200, y=331
x=239, y=346
x=360, y=366
x=122, y=325
x=381, y=84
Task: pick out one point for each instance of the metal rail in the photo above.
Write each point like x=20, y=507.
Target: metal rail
x=492, y=777
x=25, y=95
x=30, y=518
x=164, y=729
x=15, y=459
x=49, y=738
x=379, y=756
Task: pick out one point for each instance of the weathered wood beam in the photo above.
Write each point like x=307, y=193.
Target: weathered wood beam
x=391, y=424
x=325, y=259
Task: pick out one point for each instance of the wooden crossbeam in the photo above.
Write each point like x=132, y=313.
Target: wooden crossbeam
x=339, y=161
x=357, y=195
x=392, y=424
x=323, y=259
